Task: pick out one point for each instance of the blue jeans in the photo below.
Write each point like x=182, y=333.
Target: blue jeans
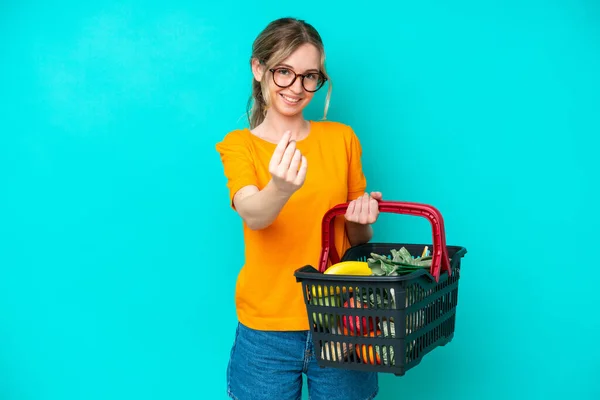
x=268, y=365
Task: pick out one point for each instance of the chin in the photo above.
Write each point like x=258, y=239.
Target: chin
x=289, y=113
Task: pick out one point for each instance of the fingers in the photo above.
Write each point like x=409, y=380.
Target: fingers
x=288, y=154
x=350, y=209
x=354, y=211
x=365, y=209
x=292, y=170
x=301, y=172
x=280, y=150
x=377, y=195
x=282, y=157
x=373, y=209
x=363, y=216
x=288, y=166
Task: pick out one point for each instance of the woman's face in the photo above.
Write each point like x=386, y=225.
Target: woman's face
x=291, y=100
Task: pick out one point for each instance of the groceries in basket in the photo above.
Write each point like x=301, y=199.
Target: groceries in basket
x=399, y=262
x=382, y=306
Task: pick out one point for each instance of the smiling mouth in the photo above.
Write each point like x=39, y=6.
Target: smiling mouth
x=290, y=99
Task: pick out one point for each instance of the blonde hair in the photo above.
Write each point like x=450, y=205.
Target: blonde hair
x=273, y=45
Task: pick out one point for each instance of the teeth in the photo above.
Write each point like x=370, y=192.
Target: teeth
x=290, y=99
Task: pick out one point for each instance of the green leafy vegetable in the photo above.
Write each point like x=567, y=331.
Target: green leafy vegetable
x=401, y=262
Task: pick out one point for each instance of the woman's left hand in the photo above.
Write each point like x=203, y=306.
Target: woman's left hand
x=365, y=209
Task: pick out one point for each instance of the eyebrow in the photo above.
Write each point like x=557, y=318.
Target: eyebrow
x=290, y=67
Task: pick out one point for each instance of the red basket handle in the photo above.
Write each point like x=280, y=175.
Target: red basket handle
x=440, y=257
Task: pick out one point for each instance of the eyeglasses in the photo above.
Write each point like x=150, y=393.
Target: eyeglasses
x=285, y=77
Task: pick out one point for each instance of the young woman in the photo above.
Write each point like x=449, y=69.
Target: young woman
x=283, y=174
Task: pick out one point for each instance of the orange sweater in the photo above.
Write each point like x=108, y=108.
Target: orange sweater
x=267, y=295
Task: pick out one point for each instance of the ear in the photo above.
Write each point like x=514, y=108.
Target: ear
x=257, y=69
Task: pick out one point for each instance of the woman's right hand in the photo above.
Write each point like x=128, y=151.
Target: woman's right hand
x=288, y=166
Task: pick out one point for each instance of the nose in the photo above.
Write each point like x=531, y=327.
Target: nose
x=297, y=86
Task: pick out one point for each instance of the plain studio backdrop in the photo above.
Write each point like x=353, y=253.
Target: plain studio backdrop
x=118, y=248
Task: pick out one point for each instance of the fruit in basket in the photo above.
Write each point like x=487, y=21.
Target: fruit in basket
x=349, y=268
x=354, y=324
x=319, y=291
x=369, y=353
x=372, y=357
x=335, y=351
x=341, y=268
x=323, y=319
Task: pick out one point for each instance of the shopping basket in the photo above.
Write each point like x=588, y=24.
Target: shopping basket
x=382, y=323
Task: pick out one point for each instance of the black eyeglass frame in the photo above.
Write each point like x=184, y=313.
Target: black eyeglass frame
x=302, y=76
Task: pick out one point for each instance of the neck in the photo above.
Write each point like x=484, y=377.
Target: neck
x=275, y=125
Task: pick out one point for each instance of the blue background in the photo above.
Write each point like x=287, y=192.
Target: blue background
x=119, y=253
